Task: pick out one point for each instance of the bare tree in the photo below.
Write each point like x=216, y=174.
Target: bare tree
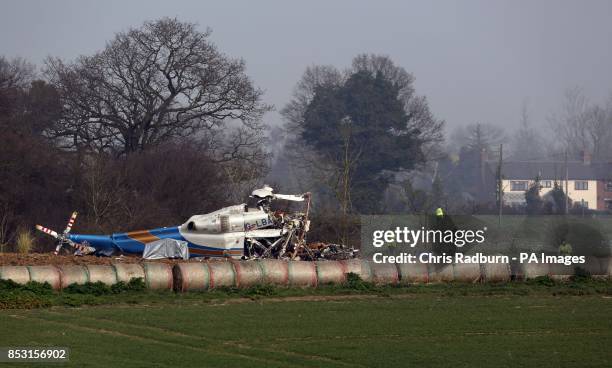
x=149, y=85
x=122, y=193
x=479, y=137
x=599, y=130
x=581, y=127
x=6, y=235
x=569, y=124
x=527, y=142
x=299, y=160
x=15, y=73
x=314, y=77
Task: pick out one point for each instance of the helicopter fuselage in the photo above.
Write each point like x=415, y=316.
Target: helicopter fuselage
x=217, y=234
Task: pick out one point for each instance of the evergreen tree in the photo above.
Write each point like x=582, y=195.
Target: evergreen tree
x=533, y=199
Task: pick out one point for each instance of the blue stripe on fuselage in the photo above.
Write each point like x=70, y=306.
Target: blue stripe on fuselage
x=124, y=243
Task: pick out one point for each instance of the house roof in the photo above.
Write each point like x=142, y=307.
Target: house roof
x=555, y=170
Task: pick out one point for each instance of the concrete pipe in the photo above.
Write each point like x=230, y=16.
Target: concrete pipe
x=221, y=274
x=384, y=273
x=516, y=269
x=302, y=273
x=73, y=274
x=608, y=266
x=467, y=272
x=359, y=267
x=275, y=271
x=495, y=272
x=594, y=265
x=44, y=274
x=413, y=273
x=248, y=273
x=127, y=271
x=441, y=273
x=331, y=272
x=191, y=276
x=533, y=270
x=19, y=274
x=158, y=276
x=104, y=274
x=560, y=272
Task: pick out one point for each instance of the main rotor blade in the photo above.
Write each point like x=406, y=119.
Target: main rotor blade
x=70, y=222
x=47, y=231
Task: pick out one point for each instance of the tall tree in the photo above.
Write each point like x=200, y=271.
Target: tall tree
x=533, y=200
x=470, y=175
x=151, y=84
x=479, y=137
x=560, y=199
x=15, y=73
x=580, y=126
x=527, y=142
x=33, y=174
x=599, y=130
x=359, y=126
x=361, y=130
x=420, y=119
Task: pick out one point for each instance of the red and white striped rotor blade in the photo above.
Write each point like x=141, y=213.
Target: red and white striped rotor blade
x=47, y=231
x=71, y=222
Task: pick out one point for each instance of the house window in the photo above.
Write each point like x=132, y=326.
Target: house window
x=517, y=185
x=608, y=187
x=546, y=184
x=581, y=185
x=608, y=204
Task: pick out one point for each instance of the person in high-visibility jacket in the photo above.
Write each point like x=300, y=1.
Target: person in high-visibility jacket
x=443, y=223
x=565, y=249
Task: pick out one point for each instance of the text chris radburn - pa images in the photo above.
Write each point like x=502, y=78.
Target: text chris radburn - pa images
x=411, y=238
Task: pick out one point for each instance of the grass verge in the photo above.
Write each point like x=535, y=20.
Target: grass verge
x=37, y=295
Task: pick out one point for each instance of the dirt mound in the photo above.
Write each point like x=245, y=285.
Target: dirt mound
x=39, y=259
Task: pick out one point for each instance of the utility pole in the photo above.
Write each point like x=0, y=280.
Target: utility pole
x=500, y=189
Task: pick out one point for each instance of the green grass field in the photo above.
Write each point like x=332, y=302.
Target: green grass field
x=424, y=327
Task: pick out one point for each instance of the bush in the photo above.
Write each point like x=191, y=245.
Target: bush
x=22, y=299
x=354, y=281
x=38, y=288
x=25, y=241
x=581, y=275
x=260, y=290
x=135, y=284
x=95, y=288
x=99, y=288
x=31, y=286
x=9, y=285
x=542, y=280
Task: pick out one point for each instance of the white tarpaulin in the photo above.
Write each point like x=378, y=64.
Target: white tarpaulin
x=166, y=248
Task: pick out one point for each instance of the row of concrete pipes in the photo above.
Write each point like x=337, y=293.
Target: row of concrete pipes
x=199, y=276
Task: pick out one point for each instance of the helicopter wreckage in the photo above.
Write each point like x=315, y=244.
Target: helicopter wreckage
x=244, y=231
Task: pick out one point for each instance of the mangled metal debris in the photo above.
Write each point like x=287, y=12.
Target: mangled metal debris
x=247, y=231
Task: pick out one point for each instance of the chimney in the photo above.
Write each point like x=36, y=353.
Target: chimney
x=586, y=157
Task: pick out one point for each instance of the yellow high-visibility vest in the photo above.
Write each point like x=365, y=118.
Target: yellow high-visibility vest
x=439, y=212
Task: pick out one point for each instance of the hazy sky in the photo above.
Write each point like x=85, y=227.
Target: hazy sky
x=474, y=60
